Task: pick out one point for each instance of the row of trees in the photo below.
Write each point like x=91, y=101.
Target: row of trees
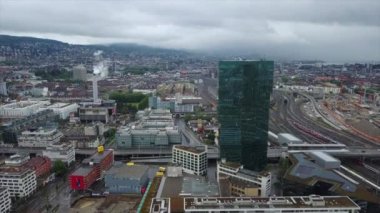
x=129, y=102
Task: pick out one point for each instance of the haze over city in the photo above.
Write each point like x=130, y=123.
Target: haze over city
x=334, y=31
x=189, y=106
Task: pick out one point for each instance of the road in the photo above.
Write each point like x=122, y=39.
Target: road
x=54, y=193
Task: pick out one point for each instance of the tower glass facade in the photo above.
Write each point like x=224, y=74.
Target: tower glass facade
x=243, y=111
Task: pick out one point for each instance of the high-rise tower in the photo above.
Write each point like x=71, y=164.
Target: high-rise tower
x=243, y=111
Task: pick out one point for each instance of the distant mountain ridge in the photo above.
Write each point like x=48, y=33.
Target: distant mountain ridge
x=47, y=47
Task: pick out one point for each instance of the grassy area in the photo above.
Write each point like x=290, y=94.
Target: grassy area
x=151, y=194
x=129, y=102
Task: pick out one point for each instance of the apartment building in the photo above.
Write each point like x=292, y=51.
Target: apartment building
x=243, y=182
x=60, y=151
x=41, y=137
x=20, y=181
x=5, y=200
x=193, y=160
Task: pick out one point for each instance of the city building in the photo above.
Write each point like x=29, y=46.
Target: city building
x=41, y=165
x=313, y=169
x=40, y=137
x=13, y=128
x=80, y=72
x=5, y=200
x=145, y=138
x=125, y=179
x=101, y=160
x=63, y=110
x=3, y=88
x=325, y=160
x=85, y=135
x=287, y=139
x=177, y=104
x=289, y=204
x=92, y=169
x=103, y=111
x=21, y=109
x=243, y=111
x=154, y=128
x=17, y=159
x=20, y=181
x=242, y=182
x=193, y=160
x=83, y=178
x=64, y=152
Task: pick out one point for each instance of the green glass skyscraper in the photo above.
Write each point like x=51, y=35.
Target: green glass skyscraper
x=243, y=111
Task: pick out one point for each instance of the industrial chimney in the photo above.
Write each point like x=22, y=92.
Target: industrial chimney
x=95, y=90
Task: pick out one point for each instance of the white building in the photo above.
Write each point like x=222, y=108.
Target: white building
x=21, y=108
x=63, y=110
x=193, y=160
x=60, y=151
x=17, y=159
x=80, y=72
x=235, y=170
x=20, y=181
x=312, y=204
x=3, y=88
x=42, y=137
x=5, y=200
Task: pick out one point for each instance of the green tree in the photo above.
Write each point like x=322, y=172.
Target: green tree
x=59, y=168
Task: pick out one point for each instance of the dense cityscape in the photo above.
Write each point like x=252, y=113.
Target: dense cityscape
x=127, y=127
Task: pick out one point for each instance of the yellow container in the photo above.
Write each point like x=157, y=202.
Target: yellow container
x=100, y=149
x=162, y=169
x=130, y=164
x=159, y=174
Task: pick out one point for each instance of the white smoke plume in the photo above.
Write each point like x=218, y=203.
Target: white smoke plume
x=100, y=68
x=98, y=53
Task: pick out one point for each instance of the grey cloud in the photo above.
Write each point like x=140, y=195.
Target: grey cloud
x=328, y=30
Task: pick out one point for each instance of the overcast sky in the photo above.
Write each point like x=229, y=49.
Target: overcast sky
x=331, y=30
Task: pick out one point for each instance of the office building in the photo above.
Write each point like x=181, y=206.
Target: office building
x=64, y=152
x=126, y=179
x=41, y=137
x=102, y=110
x=145, y=138
x=293, y=204
x=154, y=128
x=63, y=110
x=80, y=72
x=5, y=200
x=20, y=181
x=21, y=109
x=243, y=111
x=193, y=160
x=17, y=159
x=92, y=169
x=40, y=165
x=242, y=182
x=3, y=88
x=12, y=129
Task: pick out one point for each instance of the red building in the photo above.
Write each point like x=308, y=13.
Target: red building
x=83, y=178
x=41, y=165
x=91, y=170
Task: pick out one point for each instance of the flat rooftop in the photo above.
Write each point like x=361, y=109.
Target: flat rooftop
x=13, y=170
x=192, y=149
x=256, y=203
x=124, y=171
x=324, y=156
x=82, y=171
x=97, y=157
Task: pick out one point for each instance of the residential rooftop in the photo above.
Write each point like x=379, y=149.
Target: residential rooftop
x=192, y=149
x=308, y=202
x=97, y=157
x=124, y=171
x=82, y=171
